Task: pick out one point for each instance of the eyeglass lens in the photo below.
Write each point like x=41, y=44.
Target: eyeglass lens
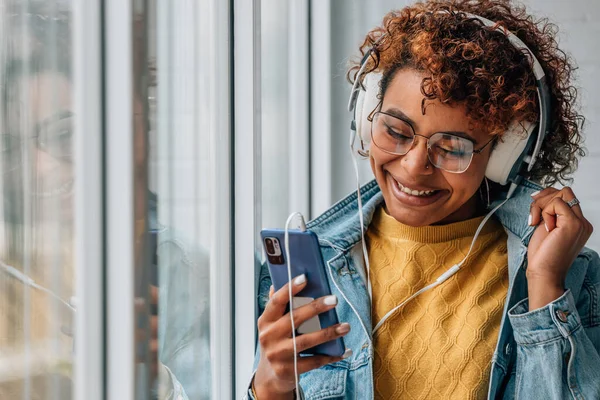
x=55, y=138
x=394, y=135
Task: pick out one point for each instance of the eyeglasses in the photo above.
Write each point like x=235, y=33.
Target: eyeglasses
x=53, y=135
x=446, y=151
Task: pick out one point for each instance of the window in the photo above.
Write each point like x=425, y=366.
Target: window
x=37, y=228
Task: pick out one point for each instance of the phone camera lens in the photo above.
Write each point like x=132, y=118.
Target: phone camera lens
x=269, y=244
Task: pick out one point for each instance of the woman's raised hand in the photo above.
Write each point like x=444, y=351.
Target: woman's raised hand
x=560, y=236
x=274, y=378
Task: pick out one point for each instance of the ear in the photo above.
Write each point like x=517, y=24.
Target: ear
x=510, y=152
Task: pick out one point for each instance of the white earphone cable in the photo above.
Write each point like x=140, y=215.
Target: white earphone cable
x=362, y=222
x=442, y=278
x=291, y=297
x=27, y=281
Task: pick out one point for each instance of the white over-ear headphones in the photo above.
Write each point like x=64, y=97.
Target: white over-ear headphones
x=519, y=145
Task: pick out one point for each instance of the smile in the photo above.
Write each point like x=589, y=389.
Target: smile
x=418, y=196
x=414, y=192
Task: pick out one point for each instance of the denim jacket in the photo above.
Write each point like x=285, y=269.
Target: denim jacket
x=548, y=353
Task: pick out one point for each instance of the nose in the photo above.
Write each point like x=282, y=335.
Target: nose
x=416, y=161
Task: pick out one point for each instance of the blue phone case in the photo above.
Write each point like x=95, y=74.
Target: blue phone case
x=306, y=259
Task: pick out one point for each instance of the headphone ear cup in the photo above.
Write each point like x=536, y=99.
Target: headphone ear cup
x=365, y=104
x=508, y=155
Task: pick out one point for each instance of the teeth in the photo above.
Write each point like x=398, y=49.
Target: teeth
x=414, y=192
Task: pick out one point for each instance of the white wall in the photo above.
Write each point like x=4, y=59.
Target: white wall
x=579, y=27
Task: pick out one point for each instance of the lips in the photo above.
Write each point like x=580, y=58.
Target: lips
x=416, y=195
x=414, y=190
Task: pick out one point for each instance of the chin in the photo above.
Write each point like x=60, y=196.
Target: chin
x=414, y=211
x=410, y=217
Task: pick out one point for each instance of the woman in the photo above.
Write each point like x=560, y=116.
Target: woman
x=520, y=319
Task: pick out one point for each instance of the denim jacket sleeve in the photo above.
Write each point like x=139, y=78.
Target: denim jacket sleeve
x=557, y=354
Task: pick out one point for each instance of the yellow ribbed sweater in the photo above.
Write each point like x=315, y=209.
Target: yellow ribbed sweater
x=440, y=344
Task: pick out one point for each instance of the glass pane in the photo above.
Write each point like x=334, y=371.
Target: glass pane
x=36, y=212
x=180, y=167
x=275, y=118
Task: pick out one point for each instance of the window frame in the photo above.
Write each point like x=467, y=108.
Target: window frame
x=247, y=183
x=89, y=368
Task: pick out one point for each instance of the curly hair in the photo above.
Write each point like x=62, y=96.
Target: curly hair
x=467, y=63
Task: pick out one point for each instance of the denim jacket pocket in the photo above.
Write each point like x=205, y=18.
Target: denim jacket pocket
x=328, y=382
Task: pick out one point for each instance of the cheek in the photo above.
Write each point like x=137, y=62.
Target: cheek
x=466, y=184
x=378, y=159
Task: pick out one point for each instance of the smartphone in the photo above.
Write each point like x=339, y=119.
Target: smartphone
x=306, y=259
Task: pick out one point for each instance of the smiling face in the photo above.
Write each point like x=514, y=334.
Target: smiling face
x=38, y=167
x=455, y=195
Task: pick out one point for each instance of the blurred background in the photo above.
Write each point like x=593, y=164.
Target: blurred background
x=144, y=144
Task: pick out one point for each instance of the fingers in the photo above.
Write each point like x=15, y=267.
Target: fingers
x=309, y=340
x=153, y=294
x=540, y=199
x=301, y=314
x=275, y=307
x=154, y=326
x=283, y=351
x=284, y=370
x=543, y=198
x=566, y=194
x=557, y=207
x=154, y=357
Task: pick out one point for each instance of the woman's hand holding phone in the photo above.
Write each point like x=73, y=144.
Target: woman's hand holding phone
x=274, y=377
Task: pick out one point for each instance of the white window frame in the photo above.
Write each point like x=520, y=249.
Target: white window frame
x=120, y=341
x=89, y=218
x=299, y=107
x=321, y=126
x=221, y=272
x=247, y=186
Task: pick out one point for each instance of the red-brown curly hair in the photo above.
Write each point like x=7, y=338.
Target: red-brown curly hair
x=466, y=63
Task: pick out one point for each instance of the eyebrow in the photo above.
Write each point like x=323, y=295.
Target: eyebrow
x=399, y=114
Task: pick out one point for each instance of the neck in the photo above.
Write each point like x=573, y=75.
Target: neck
x=471, y=209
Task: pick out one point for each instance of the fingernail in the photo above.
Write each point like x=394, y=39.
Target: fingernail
x=535, y=193
x=300, y=280
x=547, y=230
x=343, y=329
x=529, y=220
x=330, y=300
x=347, y=354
